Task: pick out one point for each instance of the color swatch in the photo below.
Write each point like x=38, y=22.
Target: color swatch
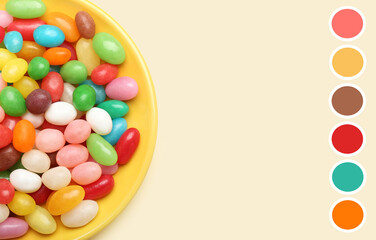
x=347, y=23
x=347, y=214
x=347, y=62
x=347, y=100
x=347, y=177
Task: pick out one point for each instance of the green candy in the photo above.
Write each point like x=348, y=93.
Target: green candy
x=4, y=174
x=38, y=68
x=115, y=108
x=108, y=48
x=84, y=98
x=25, y=9
x=17, y=165
x=102, y=151
x=12, y=101
x=74, y=72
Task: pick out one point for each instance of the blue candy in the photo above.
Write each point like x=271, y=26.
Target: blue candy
x=48, y=36
x=55, y=68
x=119, y=126
x=13, y=41
x=100, y=93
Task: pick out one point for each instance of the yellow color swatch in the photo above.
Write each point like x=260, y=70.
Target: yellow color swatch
x=347, y=62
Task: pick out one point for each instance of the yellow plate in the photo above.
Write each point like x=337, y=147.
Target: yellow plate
x=142, y=115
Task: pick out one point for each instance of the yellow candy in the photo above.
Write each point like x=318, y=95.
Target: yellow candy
x=5, y=56
x=14, y=70
x=22, y=204
x=41, y=221
x=26, y=85
x=87, y=55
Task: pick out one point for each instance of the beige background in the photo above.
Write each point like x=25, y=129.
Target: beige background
x=242, y=149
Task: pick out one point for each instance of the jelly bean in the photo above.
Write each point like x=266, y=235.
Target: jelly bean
x=25, y=181
x=22, y=204
x=85, y=24
x=54, y=68
x=5, y=57
x=8, y=157
x=41, y=196
x=6, y=191
x=50, y=140
x=39, y=67
x=101, y=151
x=74, y=72
x=3, y=84
x=47, y=125
x=60, y=113
x=6, y=136
x=99, y=120
x=41, y=221
x=24, y=136
x=35, y=119
x=30, y=50
x=4, y=212
x=5, y=19
x=48, y=36
x=26, y=85
x=57, y=55
x=115, y=108
x=17, y=165
x=127, y=145
x=69, y=46
x=77, y=131
x=104, y=73
x=119, y=125
x=25, y=9
x=14, y=70
x=13, y=228
x=13, y=41
x=100, y=188
x=38, y=101
x=122, y=88
x=26, y=27
x=81, y=215
x=56, y=178
x=65, y=23
x=65, y=199
x=100, y=93
x=36, y=161
x=108, y=48
x=54, y=84
x=106, y=170
x=72, y=155
x=10, y=122
x=12, y=101
x=86, y=173
x=2, y=114
x=53, y=159
x=5, y=174
x=68, y=93
x=87, y=55
x=84, y=97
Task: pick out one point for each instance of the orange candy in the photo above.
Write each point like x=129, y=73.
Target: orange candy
x=57, y=55
x=23, y=136
x=65, y=23
x=65, y=199
x=30, y=50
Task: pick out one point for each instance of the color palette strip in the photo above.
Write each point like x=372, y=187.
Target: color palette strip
x=347, y=139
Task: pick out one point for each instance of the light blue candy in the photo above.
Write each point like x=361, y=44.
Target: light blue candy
x=100, y=93
x=55, y=68
x=13, y=41
x=48, y=36
x=119, y=125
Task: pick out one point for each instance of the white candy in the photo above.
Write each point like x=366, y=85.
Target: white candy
x=81, y=215
x=4, y=212
x=99, y=120
x=60, y=113
x=36, y=119
x=56, y=178
x=25, y=181
x=36, y=161
x=68, y=93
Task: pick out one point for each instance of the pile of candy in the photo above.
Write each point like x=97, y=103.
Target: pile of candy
x=60, y=139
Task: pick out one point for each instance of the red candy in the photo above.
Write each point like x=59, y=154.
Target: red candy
x=104, y=74
x=127, y=145
x=26, y=27
x=6, y=191
x=10, y=121
x=100, y=188
x=54, y=84
x=6, y=136
x=41, y=195
x=69, y=46
x=2, y=34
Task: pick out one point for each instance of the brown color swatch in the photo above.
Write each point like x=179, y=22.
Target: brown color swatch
x=347, y=100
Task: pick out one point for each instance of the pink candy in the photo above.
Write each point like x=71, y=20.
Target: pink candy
x=49, y=140
x=72, y=155
x=5, y=19
x=13, y=227
x=77, y=131
x=86, y=173
x=2, y=114
x=122, y=88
